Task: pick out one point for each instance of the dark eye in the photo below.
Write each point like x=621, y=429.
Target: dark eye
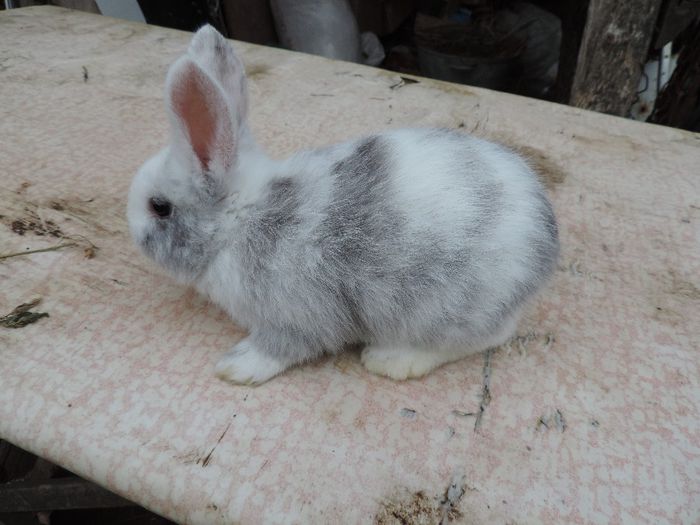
x=160, y=207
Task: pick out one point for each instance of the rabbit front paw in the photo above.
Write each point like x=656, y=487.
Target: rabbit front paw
x=246, y=364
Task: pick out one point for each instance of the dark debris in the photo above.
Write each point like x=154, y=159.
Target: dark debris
x=403, y=81
x=22, y=316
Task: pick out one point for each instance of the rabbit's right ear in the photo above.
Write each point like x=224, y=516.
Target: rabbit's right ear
x=214, y=54
x=200, y=117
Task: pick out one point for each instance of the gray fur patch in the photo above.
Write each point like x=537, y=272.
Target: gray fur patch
x=359, y=217
x=220, y=48
x=179, y=243
x=547, y=249
x=288, y=344
x=360, y=231
x=276, y=217
x=489, y=199
x=282, y=205
x=348, y=300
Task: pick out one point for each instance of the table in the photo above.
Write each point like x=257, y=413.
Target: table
x=594, y=412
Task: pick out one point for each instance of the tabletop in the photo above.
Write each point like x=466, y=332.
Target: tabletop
x=591, y=415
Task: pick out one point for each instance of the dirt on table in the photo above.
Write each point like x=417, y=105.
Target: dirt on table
x=33, y=224
x=548, y=172
x=416, y=509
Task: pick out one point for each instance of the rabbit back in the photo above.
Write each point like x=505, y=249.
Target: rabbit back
x=425, y=236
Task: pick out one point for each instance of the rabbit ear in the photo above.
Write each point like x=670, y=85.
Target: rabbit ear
x=213, y=53
x=200, y=116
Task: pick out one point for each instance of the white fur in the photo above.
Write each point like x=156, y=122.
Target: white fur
x=402, y=362
x=246, y=365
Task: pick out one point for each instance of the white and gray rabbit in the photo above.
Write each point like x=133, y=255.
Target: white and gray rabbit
x=424, y=244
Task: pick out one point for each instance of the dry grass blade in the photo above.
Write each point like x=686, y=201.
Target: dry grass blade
x=22, y=316
x=485, y=390
x=39, y=250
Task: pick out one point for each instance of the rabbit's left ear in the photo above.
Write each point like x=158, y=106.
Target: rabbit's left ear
x=214, y=54
x=200, y=117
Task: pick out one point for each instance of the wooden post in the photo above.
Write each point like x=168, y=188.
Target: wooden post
x=26, y=486
x=573, y=15
x=679, y=102
x=613, y=50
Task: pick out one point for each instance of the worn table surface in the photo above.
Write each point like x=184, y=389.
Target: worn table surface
x=594, y=413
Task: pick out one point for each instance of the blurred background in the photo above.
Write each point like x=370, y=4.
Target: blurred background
x=636, y=59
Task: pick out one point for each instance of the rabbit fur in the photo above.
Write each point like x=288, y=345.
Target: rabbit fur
x=424, y=244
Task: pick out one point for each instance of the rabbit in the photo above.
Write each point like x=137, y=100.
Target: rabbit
x=422, y=244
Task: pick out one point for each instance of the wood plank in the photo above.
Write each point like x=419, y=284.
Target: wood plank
x=15, y=463
x=57, y=494
x=613, y=50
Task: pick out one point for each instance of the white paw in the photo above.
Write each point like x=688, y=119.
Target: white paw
x=246, y=365
x=399, y=363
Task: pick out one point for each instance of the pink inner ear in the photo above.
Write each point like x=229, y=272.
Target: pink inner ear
x=202, y=110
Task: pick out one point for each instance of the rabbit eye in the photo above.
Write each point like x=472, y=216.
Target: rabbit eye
x=160, y=207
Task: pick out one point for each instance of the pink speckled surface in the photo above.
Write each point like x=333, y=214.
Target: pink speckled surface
x=117, y=384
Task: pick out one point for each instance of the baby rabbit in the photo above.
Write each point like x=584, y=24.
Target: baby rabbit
x=422, y=243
